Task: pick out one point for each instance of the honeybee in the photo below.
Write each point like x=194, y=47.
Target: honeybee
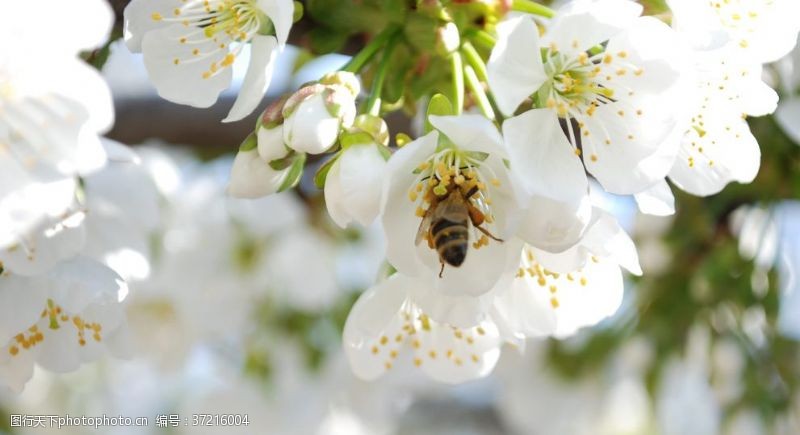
x=446, y=225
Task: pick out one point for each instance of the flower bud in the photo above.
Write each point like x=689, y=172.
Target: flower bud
x=354, y=183
x=251, y=174
x=315, y=115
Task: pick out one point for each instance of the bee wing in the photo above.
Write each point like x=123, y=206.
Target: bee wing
x=454, y=209
x=424, y=226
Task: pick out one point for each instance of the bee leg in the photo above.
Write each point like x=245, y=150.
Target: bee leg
x=441, y=271
x=491, y=236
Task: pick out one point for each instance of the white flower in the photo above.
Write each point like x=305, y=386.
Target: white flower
x=465, y=156
x=251, y=174
x=718, y=147
x=386, y=328
x=316, y=114
x=762, y=30
x=354, y=181
x=612, y=75
x=189, y=47
x=557, y=294
x=52, y=108
x=59, y=320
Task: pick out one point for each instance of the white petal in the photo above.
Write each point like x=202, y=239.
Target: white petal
x=398, y=213
x=16, y=371
x=726, y=151
x=460, y=355
x=543, y=157
x=81, y=281
x=358, y=175
x=281, y=13
x=311, y=128
x=471, y=133
x=461, y=311
x=594, y=293
x=22, y=300
x=582, y=25
x=606, y=238
x=788, y=116
x=256, y=81
x=638, y=152
x=183, y=83
x=515, y=66
x=139, y=20
x=554, y=225
x=657, y=200
x=377, y=311
x=252, y=177
x=83, y=84
x=481, y=271
x=526, y=310
x=45, y=245
x=270, y=144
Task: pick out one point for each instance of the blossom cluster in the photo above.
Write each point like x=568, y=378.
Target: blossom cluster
x=487, y=217
x=491, y=232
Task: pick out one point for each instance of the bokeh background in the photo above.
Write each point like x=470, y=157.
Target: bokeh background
x=236, y=306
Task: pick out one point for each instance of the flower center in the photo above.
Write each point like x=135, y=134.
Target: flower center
x=54, y=317
x=219, y=22
x=579, y=84
x=456, y=172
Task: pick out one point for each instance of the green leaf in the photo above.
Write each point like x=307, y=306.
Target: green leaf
x=385, y=152
x=250, y=143
x=281, y=164
x=322, y=172
x=295, y=173
x=439, y=106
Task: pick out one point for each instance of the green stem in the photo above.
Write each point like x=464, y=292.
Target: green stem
x=483, y=39
x=457, y=70
x=532, y=7
x=475, y=61
x=477, y=91
x=363, y=57
x=373, y=104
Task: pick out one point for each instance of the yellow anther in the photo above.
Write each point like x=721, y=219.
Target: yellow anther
x=608, y=59
x=176, y=11
x=420, y=212
x=384, y=340
x=156, y=16
x=228, y=60
x=375, y=350
x=583, y=281
x=593, y=157
x=417, y=362
x=554, y=302
x=13, y=350
x=480, y=330
x=495, y=182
